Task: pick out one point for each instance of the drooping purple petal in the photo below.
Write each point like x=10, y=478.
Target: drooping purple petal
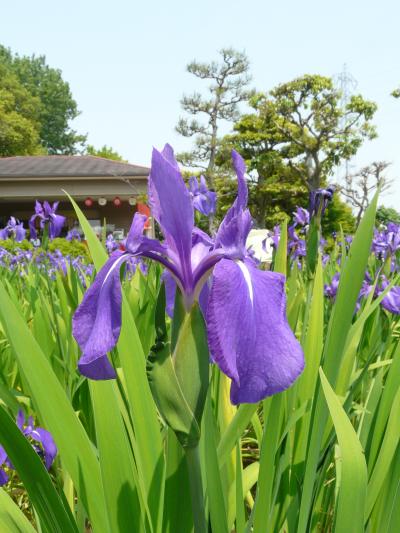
x=20, y=232
x=48, y=445
x=32, y=227
x=3, y=459
x=56, y=225
x=97, y=321
x=248, y=333
x=391, y=302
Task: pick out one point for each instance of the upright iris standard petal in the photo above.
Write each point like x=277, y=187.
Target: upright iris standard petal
x=172, y=207
x=240, y=169
x=249, y=337
x=135, y=234
x=97, y=321
x=235, y=227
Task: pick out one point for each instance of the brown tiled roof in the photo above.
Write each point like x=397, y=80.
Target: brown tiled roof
x=66, y=165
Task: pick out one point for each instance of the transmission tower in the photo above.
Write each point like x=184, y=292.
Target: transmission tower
x=346, y=83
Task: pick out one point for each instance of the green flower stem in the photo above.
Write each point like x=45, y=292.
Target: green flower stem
x=196, y=489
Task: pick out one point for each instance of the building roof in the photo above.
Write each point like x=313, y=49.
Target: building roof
x=67, y=166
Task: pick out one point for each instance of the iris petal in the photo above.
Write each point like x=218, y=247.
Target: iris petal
x=56, y=225
x=236, y=225
x=97, y=321
x=172, y=207
x=249, y=337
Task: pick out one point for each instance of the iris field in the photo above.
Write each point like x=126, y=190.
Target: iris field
x=188, y=388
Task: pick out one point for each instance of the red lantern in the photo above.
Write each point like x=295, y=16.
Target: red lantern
x=88, y=202
x=117, y=201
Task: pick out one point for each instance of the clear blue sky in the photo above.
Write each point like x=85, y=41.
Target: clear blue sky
x=125, y=60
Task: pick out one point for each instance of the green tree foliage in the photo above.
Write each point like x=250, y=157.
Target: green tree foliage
x=384, y=215
x=56, y=107
x=19, y=117
x=105, y=151
x=338, y=215
x=280, y=202
x=274, y=189
x=317, y=133
x=294, y=138
x=229, y=86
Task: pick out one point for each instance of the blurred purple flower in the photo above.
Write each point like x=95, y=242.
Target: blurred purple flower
x=319, y=200
x=47, y=216
x=386, y=242
x=41, y=440
x=248, y=334
x=111, y=244
x=330, y=289
x=204, y=200
x=14, y=230
x=301, y=216
x=274, y=235
x=73, y=235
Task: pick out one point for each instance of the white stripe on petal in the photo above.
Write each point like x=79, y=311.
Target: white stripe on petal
x=246, y=275
x=114, y=266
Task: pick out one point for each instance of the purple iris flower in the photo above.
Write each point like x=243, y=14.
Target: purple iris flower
x=47, y=216
x=41, y=440
x=275, y=236
x=386, y=242
x=204, y=200
x=73, y=235
x=319, y=200
x=248, y=334
x=301, y=216
x=111, y=244
x=390, y=302
x=14, y=230
x=330, y=289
